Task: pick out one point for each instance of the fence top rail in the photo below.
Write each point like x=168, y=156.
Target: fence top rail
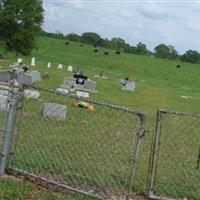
x=113, y=106
x=173, y=112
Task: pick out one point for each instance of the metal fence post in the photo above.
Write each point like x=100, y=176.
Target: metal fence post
x=137, y=142
x=8, y=129
x=154, y=153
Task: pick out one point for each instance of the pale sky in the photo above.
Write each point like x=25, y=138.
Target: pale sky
x=171, y=22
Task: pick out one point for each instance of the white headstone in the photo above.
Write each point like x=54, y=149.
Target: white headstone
x=129, y=86
x=49, y=65
x=33, y=61
x=60, y=66
x=82, y=94
x=31, y=94
x=19, y=60
x=4, y=103
x=70, y=68
x=62, y=90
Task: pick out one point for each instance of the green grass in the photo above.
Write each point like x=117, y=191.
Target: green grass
x=12, y=189
x=158, y=84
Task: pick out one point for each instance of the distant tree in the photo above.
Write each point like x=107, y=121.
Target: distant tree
x=73, y=37
x=118, y=44
x=91, y=38
x=191, y=56
x=164, y=51
x=20, y=24
x=141, y=49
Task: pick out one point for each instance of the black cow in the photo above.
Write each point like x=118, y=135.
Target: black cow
x=96, y=50
x=66, y=42
x=178, y=66
x=117, y=52
x=106, y=53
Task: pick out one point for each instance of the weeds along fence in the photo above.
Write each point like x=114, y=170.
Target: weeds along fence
x=175, y=161
x=93, y=152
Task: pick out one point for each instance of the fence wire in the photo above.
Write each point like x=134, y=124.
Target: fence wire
x=175, y=170
x=91, y=151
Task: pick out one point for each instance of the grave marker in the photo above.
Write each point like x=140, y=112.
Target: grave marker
x=33, y=61
x=60, y=66
x=53, y=110
x=49, y=65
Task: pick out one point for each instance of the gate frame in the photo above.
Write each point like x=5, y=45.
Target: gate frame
x=10, y=116
x=155, y=149
x=138, y=135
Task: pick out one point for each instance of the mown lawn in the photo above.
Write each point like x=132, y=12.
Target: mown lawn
x=13, y=189
x=66, y=148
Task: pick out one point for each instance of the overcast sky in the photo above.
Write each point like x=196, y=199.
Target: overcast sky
x=153, y=22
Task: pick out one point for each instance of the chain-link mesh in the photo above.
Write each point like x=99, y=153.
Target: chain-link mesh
x=91, y=150
x=176, y=156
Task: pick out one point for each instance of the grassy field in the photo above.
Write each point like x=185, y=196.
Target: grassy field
x=13, y=189
x=106, y=141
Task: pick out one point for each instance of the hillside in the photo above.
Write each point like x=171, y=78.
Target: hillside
x=158, y=82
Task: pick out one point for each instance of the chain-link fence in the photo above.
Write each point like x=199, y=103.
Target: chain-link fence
x=83, y=145
x=175, y=161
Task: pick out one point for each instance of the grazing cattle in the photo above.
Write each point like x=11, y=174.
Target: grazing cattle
x=96, y=50
x=81, y=45
x=117, y=52
x=66, y=42
x=95, y=45
x=106, y=53
x=178, y=66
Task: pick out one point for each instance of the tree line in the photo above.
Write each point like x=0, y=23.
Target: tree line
x=21, y=22
x=117, y=43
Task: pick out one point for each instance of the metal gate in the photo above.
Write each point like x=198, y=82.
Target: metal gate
x=9, y=98
x=92, y=152
x=175, y=161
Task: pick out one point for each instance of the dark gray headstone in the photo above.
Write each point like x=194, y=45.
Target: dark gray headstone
x=5, y=76
x=69, y=82
x=89, y=85
x=53, y=110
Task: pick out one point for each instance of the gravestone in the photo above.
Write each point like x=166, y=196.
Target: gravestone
x=31, y=94
x=89, y=85
x=60, y=66
x=5, y=76
x=36, y=75
x=33, y=61
x=69, y=82
x=53, y=110
x=4, y=103
x=19, y=60
x=4, y=92
x=49, y=65
x=70, y=68
x=129, y=86
x=82, y=94
x=62, y=90
x=25, y=79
